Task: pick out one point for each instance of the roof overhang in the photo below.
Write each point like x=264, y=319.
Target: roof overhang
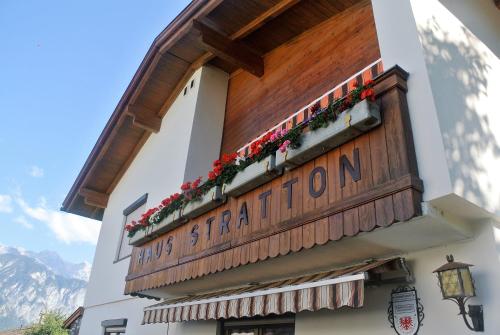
x=227, y=34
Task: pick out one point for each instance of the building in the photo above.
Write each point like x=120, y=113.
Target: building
x=309, y=239
x=72, y=322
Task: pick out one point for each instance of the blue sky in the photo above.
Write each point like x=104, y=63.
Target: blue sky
x=63, y=67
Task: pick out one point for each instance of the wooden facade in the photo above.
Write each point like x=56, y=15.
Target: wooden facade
x=225, y=28
x=300, y=209
x=297, y=73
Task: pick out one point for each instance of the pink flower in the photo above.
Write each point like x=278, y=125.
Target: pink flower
x=284, y=146
x=276, y=135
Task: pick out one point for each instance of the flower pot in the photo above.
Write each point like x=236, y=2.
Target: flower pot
x=351, y=123
x=253, y=176
x=168, y=223
x=140, y=237
x=209, y=201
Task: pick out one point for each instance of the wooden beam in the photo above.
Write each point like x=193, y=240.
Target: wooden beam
x=94, y=198
x=249, y=28
x=144, y=118
x=263, y=18
x=235, y=52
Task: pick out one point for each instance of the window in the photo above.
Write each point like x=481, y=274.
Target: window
x=131, y=213
x=259, y=326
x=114, y=327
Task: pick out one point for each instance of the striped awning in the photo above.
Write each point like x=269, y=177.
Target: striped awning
x=327, y=290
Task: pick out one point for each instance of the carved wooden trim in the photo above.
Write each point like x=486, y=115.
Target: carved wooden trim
x=388, y=189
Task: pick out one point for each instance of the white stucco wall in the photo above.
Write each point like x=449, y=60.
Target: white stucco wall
x=132, y=309
x=208, y=123
x=159, y=169
x=399, y=45
x=440, y=316
x=450, y=48
x=461, y=43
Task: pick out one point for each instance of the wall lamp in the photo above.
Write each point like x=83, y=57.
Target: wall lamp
x=456, y=283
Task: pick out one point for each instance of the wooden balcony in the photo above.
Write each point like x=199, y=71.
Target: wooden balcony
x=300, y=225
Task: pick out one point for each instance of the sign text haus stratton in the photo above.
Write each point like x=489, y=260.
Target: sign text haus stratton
x=366, y=183
x=316, y=186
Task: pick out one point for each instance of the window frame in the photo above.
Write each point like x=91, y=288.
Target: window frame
x=126, y=212
x=115, y=326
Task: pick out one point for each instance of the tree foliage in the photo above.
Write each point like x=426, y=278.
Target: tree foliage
x=51, y=324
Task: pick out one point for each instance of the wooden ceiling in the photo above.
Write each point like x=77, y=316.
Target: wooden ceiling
x=228, y=34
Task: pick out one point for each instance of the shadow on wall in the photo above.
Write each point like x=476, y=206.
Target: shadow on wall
x=460, y=73
x=481, y=17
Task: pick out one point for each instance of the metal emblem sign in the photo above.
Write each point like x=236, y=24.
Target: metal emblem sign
x=405, y=311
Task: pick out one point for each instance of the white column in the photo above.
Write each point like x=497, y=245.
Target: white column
x=399, y=44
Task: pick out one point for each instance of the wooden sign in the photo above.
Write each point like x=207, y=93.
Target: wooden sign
x=369, y=182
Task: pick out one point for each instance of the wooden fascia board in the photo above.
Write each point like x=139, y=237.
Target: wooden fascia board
x=231, y=51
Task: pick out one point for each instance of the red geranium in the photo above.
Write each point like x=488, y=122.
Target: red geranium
x=196, y=183
x=212, y=175
x=166, y=202
x=255, y=148
x=229, y=158
x=186, y=186
x=369, y=94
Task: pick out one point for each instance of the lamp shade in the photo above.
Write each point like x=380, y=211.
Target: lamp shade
x=455, y=279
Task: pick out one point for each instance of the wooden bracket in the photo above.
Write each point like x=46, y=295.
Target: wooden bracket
x=94, y=198
x=234, y=52
x=144, y=118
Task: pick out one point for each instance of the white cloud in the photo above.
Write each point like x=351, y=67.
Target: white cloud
x=23, y=222
x=67, y=227
x=36, y=171
x=5, y=203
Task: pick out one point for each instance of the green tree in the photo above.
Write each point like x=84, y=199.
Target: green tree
x=51, y=324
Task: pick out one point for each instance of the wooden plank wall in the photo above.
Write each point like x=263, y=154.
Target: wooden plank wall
x=387, y=191
x=298, y=72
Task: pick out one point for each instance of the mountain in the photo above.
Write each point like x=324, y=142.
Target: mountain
x=60, y=267
x=31, y=283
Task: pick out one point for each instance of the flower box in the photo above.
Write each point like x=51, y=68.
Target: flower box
x=253, y=176
x=140, y=237
x=362, y=117
x=209, y=201
x=168, y=223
